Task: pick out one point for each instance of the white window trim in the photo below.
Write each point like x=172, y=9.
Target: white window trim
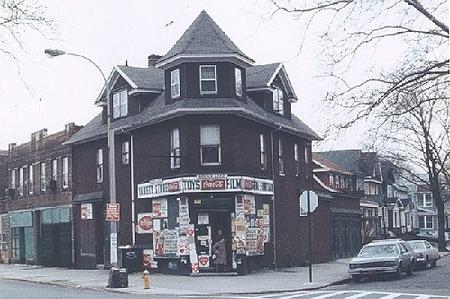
x=281, y=170
x=12, y=179
x=65, y=172
x=172, y=84
x=55, y=169
x=239, y=92
x=30, y=179
x=99, y=166
x=173, y=149
x=21, y=181
x=200, y=79
x=219, y=146
x=125, y=153
x=120, y=103
x=263, y=152
x=43, y=176
x=280, y=102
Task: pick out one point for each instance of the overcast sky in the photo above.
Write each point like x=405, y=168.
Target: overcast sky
x=38, y=92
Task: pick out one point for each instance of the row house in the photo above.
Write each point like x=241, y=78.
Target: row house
x=366, y=177
x=36, y=216
x=334, y=185
x=205, y=143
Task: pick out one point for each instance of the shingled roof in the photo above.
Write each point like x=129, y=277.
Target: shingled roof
x=259, y=76
x=143, y=77
x=203, y=37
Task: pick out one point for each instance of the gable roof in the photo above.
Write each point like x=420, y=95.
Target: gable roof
x=328, y=165
x=160, y=111
x=204, y=38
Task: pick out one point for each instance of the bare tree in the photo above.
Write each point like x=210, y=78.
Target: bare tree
x=18, y=18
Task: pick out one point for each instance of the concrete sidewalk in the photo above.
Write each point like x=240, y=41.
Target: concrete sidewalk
x=258, y=282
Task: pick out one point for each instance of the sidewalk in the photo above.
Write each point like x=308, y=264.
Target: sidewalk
x=258, y=282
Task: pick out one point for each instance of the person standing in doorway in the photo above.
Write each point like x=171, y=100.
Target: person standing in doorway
x=219, y=253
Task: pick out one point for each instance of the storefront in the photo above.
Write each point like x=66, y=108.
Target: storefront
x=22, y=249
x=179, y=220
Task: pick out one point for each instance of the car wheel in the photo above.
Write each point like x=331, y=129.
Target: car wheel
x=409, y=271
x=433, y=264
x=356, y=278
x=425, y=265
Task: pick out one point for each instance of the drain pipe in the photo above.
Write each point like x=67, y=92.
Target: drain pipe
x=273, y=197
x=133, y=220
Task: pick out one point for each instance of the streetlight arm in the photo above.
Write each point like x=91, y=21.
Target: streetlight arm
x=92, y=62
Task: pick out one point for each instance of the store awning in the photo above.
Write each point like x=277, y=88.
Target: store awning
x=88, y=197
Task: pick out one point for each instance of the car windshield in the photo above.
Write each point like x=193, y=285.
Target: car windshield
x=379, y=250
x=417, y=245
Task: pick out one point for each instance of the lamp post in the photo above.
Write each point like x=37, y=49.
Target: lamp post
x=111, y=151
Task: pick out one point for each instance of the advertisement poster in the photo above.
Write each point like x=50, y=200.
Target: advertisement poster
x=249, y=204
x=148, y=260
x=86, y=211
x=239, y=207
x=203, y=218
x=203, y=261
x=252, y=241
x=239, y=236
x=184, y=216
x=183, y=246
x=159, y=208
x=144, y=223
x=156, y=224
x=260, y=242
x=171, y=243
x=193, y=257
x=112, y=212
x=158, y=243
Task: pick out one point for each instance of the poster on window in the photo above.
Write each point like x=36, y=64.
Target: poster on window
x=183, y=245
x=145, y=223
x=239, y=236
x=249, y=204
x=252, y=241
x=158, y=243
x=184, y=216
x=171, y=243
x=86, y=211
x=159, y=208
x=239, y=207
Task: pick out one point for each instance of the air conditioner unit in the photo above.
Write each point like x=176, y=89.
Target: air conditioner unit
x=51, y=186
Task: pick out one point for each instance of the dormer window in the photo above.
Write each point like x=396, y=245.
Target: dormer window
x=278, y=101
x=208, y=79
x=175, y=83
x=238, y=81
x=120, y=104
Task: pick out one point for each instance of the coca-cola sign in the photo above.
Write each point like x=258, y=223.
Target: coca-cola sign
x=213, y=184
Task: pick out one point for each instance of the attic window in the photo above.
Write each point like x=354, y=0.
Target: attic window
x=175, y=83
x=238, y=81
x=208, y=79
x=278, y=101
x=120, y=104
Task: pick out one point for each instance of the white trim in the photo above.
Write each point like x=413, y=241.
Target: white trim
x=181, y=56
x=132, y=84
x=260, y=88
x=200, y=78
x=324, y=185
x=143, y=90
x=280, y=65
x=100, y=96
x=288, y=81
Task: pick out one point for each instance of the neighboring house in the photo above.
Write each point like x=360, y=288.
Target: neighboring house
x=3, y=213
x=335, y=184
x=37, y=225
x=425, y=218
x=205, y=142
x=366, y=177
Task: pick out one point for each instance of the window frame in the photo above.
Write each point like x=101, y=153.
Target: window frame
x=263, y=152
x=175, y=149
x=99, y=165
x=21, y=181
x=238, y=87
x=172, y=83
x=12, y=179
x=55, y=169
x=65, y=172
x=278, y=102
x=297, y=159
x=120, y=103
x=125, y=152
x=207, y=79
x=219, y=162
x=30, y=179
x=280, y=158
x=42, y=176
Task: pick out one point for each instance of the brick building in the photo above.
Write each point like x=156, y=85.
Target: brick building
x=205, y=142
x=36, y=221
x=4, y=223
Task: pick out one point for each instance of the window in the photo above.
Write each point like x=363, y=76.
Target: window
x=65, y=172
x=425, y=221
x=306, y=154
x=331, y=180
x=30, y=179
x=100, y=165
x=120, y=104
x=210, y=145
x=238, y=81
x=208, y=82
x=175, y=83
x=12, y=179
x=278, y=101
x=427, y=200
x=390, y=192
x=175, y=148
x=263, y=154
x=55, y=170
x=297, y=160
x=280, y=158
x=43, y=179
x=125, y=153
x=21, y=181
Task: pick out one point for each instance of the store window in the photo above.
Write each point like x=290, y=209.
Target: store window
x=263, y=152
x=65, y=172
x=100, y=165
x=208, y=79
x=238, y=81
x=280, y=158
x=175, y=148
x=278, y=101
x=42, y=176
x=120, y=104
x=210, y=152
x=175, y=83
x=125, y=153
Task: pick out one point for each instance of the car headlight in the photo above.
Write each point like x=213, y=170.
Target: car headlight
x=353, y=266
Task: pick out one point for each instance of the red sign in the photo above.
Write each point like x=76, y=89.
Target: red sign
x=248, y=184
x=112, y=212
x=213, y=184
x=173, y=187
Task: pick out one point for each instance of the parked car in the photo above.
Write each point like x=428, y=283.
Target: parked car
x=391, y=256
x=426, y=254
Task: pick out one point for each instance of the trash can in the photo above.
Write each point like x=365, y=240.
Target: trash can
x=131, y=260
x=118, y=278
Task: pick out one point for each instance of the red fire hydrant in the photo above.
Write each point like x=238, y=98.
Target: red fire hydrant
x=146, y=278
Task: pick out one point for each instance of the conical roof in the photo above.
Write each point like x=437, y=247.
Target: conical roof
x=204, y=38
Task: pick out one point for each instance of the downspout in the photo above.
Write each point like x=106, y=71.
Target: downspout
x=273, y=198
x=133, y=224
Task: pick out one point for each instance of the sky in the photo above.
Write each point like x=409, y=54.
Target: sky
x=40, y=92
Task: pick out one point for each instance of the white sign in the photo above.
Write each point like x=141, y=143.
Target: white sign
x=145, y=223
x=86, y=211
x=113, y=251
x=303, y=202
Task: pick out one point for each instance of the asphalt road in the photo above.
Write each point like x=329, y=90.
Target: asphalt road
x=435, y=281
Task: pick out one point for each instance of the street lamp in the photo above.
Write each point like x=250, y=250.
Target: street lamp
x=111, y=151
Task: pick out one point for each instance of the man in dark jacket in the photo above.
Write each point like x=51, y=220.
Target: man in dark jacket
x=219, y=253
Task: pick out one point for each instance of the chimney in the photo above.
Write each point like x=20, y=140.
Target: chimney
x=69, y=127
x=41, y=134
x=152, y=59
x=11, y=147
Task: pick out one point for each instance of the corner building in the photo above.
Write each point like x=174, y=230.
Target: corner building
x=205, y=142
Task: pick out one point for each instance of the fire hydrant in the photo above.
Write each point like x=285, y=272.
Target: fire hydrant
x=146, y=278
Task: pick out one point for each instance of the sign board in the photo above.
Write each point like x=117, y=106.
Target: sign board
x=145, y=223
x=303, y=202
x=86, y=211
x=112, y=212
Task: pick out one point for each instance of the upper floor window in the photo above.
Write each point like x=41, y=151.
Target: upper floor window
x=426, y=200
x=21, y=181
x=390, y=192
x=12, y=179
x=331, y=180
x=208, y=79
x=125, y=153
x=43, y=177
x=263, y=153
x=65, y=172
x=238, y=81
x=210, y=145
x=55, y=170
x=120, y=103
x=307, y=154
x=278, y=101
x=175, y=148
x=30, y=179
x=425, y=221
x=280, y=157
x=175, y=83
x=297, y=160
x=100, y=165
